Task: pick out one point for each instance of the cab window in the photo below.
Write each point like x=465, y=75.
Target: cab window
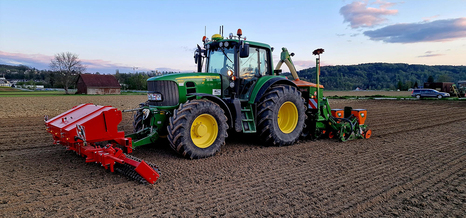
x=221, y=60
x=255, y=65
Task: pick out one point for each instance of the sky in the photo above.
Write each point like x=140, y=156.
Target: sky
x=143, y=35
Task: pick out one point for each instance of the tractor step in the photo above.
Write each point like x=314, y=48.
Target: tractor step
x=247, y=119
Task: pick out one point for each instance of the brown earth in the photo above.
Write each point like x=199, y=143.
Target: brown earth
x=413, y=166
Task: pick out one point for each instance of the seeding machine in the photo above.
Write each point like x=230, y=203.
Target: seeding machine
x=236, y=89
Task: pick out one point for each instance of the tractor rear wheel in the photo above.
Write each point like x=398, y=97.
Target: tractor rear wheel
x=281, y=116
x=197, y=129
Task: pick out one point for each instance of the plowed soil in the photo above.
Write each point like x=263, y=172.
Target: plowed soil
x=414, y=165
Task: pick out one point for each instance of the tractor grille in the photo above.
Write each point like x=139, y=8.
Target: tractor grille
x=168, y=89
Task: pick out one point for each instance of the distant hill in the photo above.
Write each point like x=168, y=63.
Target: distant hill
x=374, y=76
x=381, y=76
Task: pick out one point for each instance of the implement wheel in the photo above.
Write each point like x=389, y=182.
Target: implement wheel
x=346, y=130
x=197, y=129
x=367, y=134
x=281, y=116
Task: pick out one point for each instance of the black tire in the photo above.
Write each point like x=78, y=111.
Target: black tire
x=439, y=96
x=268, y=111
x=182, y=138
x=137, y=121
x=418, y=96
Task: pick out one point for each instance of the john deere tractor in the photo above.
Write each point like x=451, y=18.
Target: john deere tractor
x=237, y=89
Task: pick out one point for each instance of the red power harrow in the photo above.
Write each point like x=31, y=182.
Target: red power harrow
x=86, y=127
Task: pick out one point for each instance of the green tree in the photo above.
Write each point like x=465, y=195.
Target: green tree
x=430, y=79
x=444, y=78
x=399, y=85
x=407, y=85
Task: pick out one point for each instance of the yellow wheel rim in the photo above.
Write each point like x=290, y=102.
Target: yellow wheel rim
x=204, y=130
x=287, y=117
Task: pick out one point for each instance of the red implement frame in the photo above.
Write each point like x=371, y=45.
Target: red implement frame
x=80, y=128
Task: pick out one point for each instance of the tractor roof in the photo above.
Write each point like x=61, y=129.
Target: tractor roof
x=258, y=44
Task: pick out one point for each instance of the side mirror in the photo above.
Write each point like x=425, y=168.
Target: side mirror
x=244, y=50
x=199, y=55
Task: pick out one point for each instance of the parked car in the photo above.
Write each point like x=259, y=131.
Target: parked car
x=429, y=93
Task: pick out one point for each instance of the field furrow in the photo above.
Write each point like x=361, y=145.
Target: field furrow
x=413, y=166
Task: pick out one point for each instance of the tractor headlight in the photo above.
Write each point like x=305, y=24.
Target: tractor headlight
x=154, y=96
x=225, y=44
x=145, y=113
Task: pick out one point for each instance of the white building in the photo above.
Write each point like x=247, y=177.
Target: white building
x=4, y=82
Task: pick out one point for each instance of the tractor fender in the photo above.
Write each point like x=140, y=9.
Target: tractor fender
x=220, y=102
x=264, y=87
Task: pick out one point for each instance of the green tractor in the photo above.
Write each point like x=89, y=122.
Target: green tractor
x=239, y=91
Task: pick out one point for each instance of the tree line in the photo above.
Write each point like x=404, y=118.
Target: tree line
x=138, y=80
x=383, y=76
x=373, y=76
x=53, y=79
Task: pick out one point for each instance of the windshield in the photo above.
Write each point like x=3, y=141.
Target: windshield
x=221, y=60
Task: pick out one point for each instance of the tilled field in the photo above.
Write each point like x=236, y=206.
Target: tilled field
x=413, y=166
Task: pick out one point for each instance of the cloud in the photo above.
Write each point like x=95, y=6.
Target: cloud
x=435, y=31
x=42, y=62
x=166, y=69
x=427, y=19
x=429, y=55
x=358, y=14
x=304, y=64
x=188, y=49
x=38, y=61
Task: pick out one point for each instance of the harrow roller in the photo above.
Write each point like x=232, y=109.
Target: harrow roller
x=84, y=127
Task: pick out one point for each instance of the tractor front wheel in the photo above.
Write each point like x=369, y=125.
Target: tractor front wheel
x=197, y=129
x=281, y=116
x=137, y=121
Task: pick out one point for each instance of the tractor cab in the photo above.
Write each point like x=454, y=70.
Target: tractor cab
x=240, y=63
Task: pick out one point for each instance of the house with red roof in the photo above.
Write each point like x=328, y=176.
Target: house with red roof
x=94, y=84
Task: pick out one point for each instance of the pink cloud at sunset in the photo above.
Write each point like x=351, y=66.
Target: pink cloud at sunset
x=358, y=14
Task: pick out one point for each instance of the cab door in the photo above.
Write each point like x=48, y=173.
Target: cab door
x=251, y=68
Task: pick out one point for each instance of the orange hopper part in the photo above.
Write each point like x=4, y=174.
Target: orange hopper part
x=338, y=113
x=361, y=114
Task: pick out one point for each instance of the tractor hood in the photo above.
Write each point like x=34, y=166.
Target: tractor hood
x=171, y=89
x=183, y=77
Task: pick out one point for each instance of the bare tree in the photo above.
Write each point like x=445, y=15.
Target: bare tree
x=67, y=66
